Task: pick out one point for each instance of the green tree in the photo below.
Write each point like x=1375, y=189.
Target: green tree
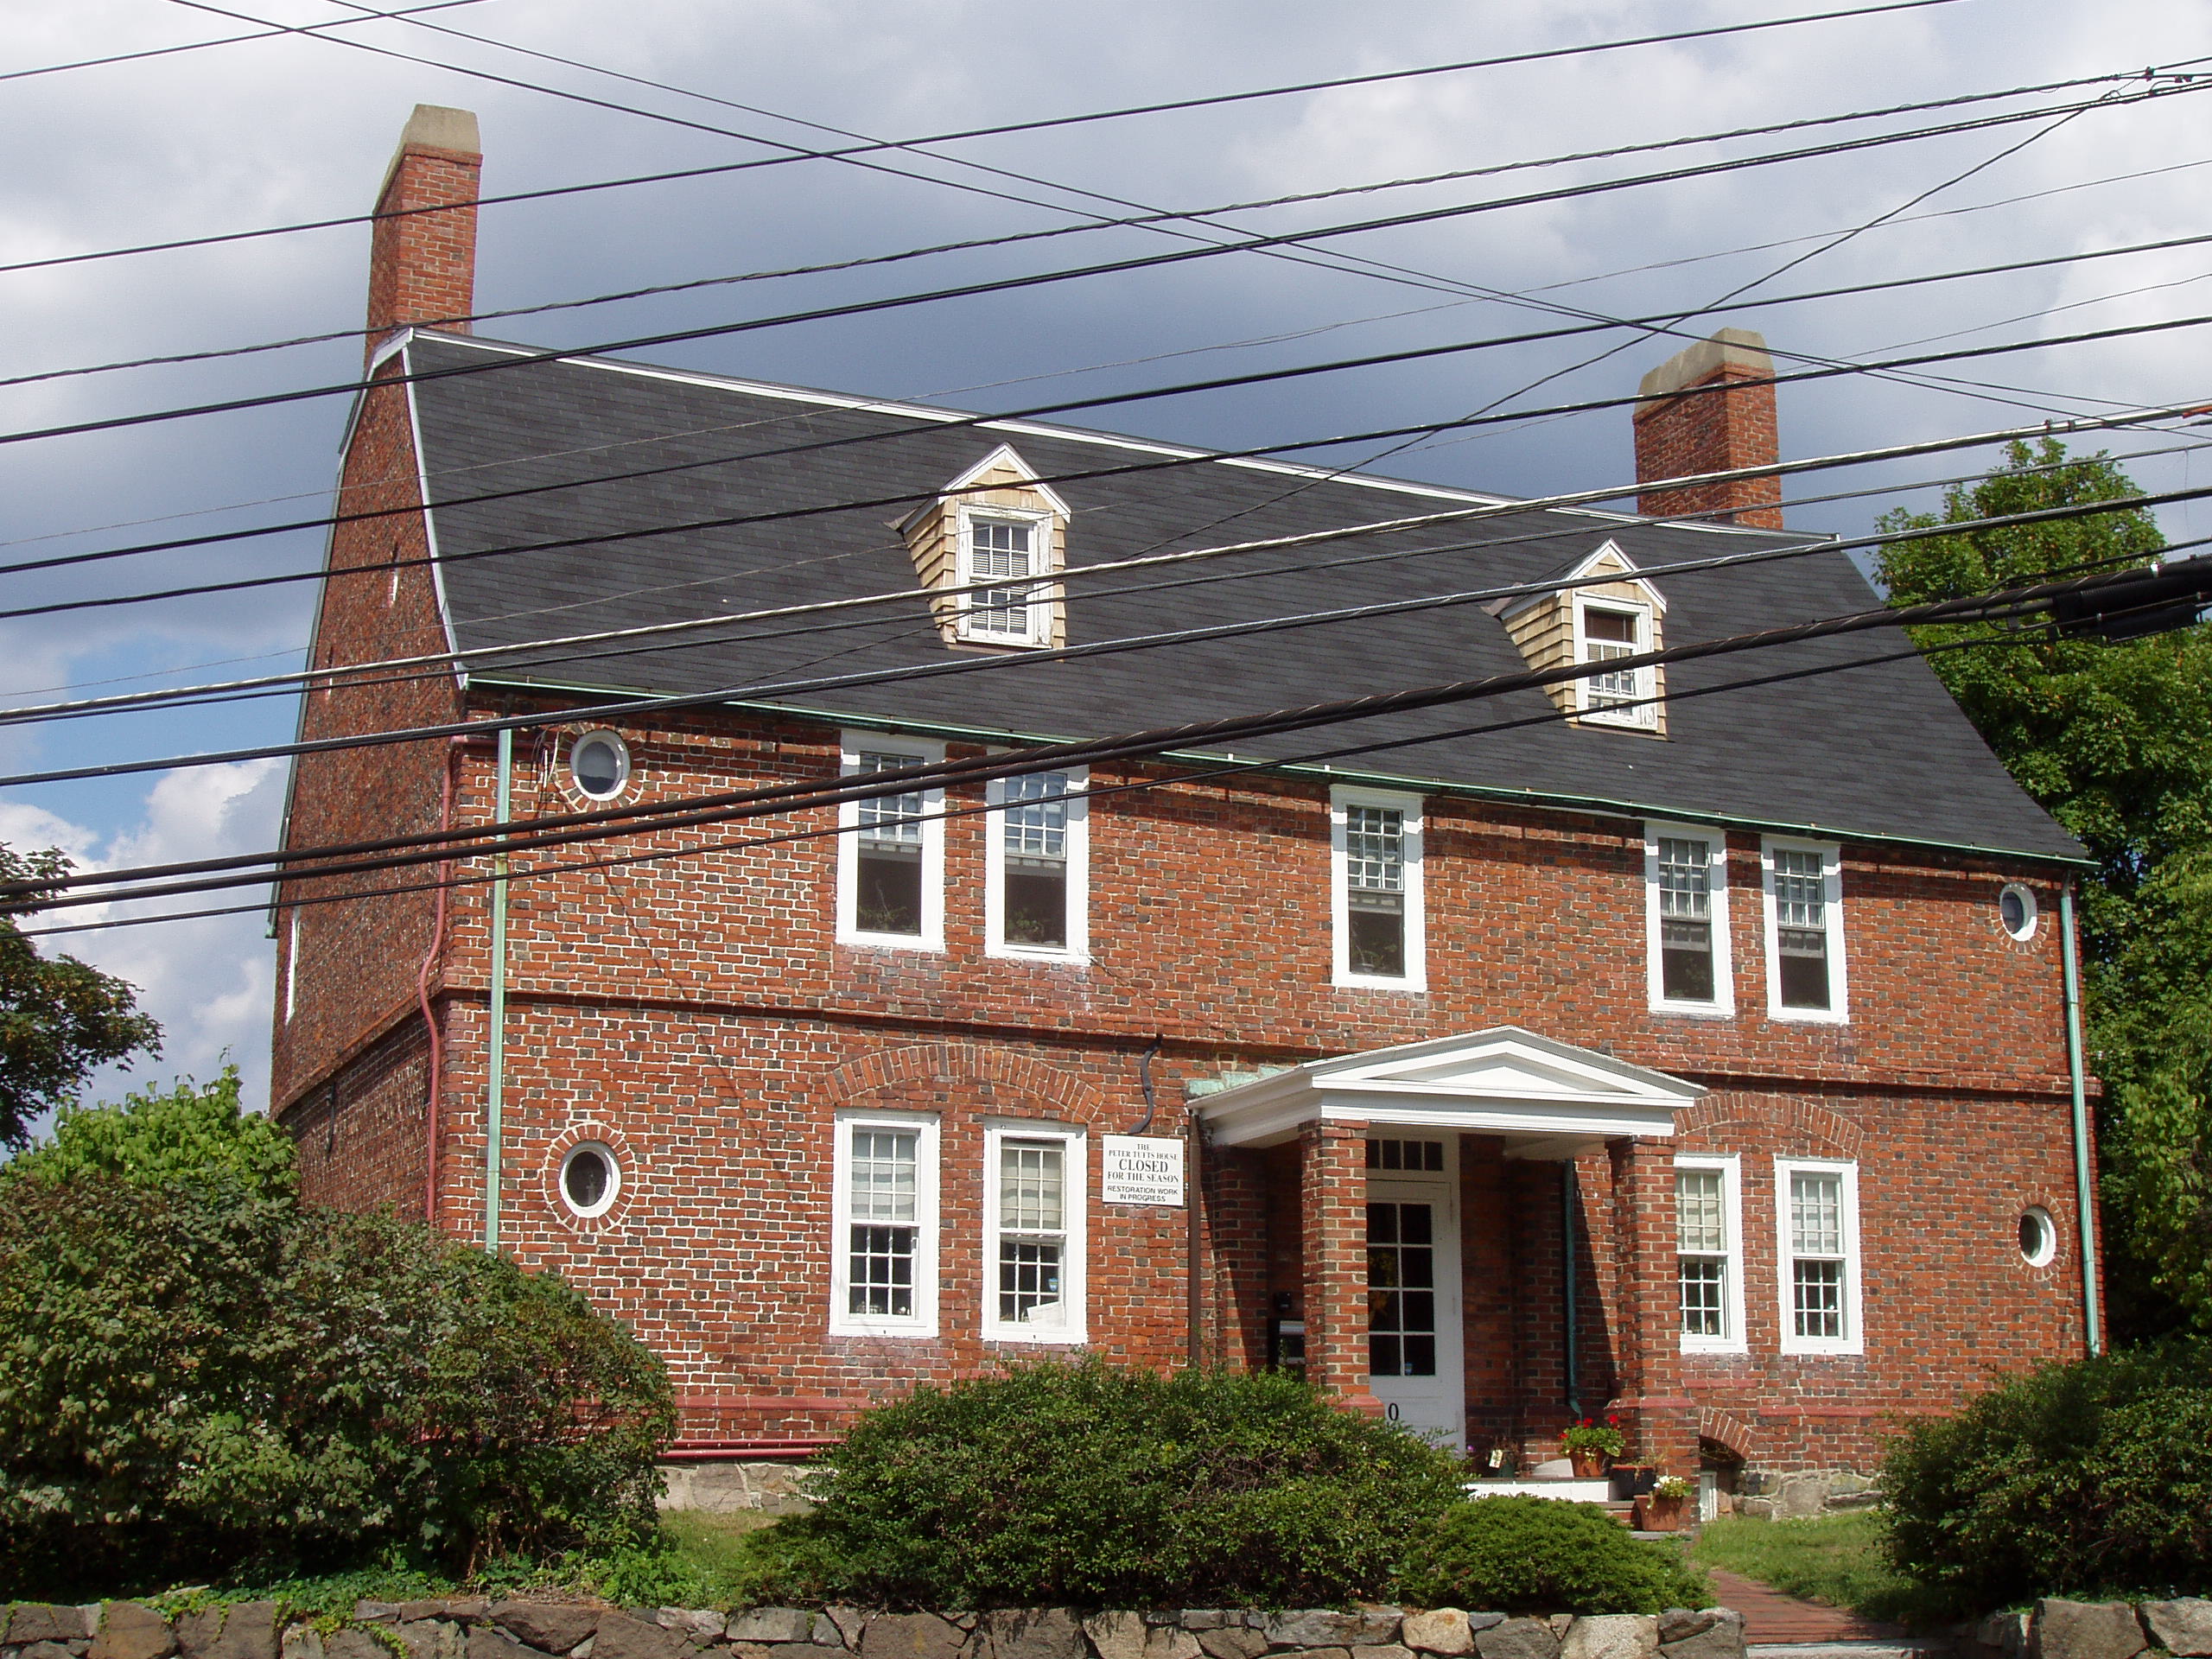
x=61, y=1019
x=2115, y=741
x=157, y=1137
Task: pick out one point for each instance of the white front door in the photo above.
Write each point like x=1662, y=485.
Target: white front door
x=1413, y=1302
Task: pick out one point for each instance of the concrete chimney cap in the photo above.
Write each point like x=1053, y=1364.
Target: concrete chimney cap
x=434, y=127
x=1737, y=349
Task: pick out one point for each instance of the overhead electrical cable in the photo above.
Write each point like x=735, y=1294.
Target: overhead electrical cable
x=1143, y=262
x=1005, y=128
x=612, y=538
x=2131, y=590
x=271, y=32
x=682, y=634
x=633, y=707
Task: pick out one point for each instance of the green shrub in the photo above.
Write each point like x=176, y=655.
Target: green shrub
x=198, y=1380
x=1541, y=1555
x=189, y=1134
x=1082, y=1483
x=2073, y=1480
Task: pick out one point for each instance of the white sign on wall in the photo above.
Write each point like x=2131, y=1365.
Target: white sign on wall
x=1141, y=1169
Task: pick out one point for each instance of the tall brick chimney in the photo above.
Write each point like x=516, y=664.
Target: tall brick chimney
x=1697, y=420
x=422, y=266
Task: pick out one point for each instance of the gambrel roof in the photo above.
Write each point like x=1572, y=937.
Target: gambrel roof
x=1880, y=752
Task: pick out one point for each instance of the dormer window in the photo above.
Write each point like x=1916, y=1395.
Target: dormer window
x=1605, y=631
x=1597, y=611
x=985, y=551
x=993, y=544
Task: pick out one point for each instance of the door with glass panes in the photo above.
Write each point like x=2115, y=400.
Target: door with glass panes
x=1413, y=1288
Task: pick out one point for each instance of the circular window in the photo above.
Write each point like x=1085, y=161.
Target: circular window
x=2038, y=1237
x=2017, y=910
x=598, y=762
x=589, y=1178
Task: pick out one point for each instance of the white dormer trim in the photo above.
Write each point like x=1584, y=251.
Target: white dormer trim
x=1007, y=456
x=1585, y=569
x=1545, y=1099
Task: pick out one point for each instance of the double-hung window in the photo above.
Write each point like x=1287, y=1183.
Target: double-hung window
x=1036, y=876
x=1377, y=903
x=883, y=1247
x=1686, y=919
x=1606, y=630
x=1804, y=930
x=1816, y=1204
x=1708, y=1253
x=890, y=850
x=1033, y=1253
x=997, y=545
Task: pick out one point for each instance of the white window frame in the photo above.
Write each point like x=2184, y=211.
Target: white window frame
x=1644, y=716
x=1837, y=1011
x=1075, y=1201
x=923, y=751
x=291, y=967
x=1854, y=1340
x=1077, y=947
x=1732, y=1340
x=1412, y=831
x=1044, y=596
x=924, y=1320
x=1723, y=1005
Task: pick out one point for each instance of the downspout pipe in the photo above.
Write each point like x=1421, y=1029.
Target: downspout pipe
x=1569, y=1273
x=495, y=1097
x=433, y=1062
x=2084, y=1187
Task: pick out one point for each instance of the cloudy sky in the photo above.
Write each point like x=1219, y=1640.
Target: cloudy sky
x=287, y=128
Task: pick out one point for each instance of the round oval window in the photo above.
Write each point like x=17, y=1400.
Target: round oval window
x=599, y=764
x=2038, y=1237
x=2017, y=910
x=589, y=1178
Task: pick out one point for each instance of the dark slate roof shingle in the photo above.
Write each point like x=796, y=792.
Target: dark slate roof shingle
x=1880, y=752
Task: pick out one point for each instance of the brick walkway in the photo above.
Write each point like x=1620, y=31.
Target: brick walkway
x=1770, y=1617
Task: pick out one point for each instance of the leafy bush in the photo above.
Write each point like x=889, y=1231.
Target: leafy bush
x=200, y=1379
x=189, y=1134
x=2073, y=1479
x=1082, y=1483
x=1541, y=1555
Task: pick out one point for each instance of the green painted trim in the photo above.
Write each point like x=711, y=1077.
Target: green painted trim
x=1602, y=804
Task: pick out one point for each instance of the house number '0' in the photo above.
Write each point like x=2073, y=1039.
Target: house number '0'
x=1393, y=1411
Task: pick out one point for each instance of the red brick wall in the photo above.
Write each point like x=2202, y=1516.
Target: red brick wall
x=697, y=1014
x=423, y=265
x=1708, y=428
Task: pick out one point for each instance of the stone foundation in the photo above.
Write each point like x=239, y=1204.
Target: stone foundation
x=477, y=1629
x=2092, y=1629
x=1772, y=1495
x=729, y=1488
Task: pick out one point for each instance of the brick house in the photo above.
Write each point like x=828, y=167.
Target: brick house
x=1693, y=1052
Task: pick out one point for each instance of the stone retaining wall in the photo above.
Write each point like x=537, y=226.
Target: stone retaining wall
x=1772, y=1495
x=476, y=1628
x=2093, y=1629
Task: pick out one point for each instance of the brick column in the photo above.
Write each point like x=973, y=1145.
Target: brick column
x=1333, y=1193
x=1659, y=1419
x=422, y=262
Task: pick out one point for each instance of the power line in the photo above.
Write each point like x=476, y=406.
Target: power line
x=612, y=538
x=269, y=33
x=2135, y=589
x=959, y=135
x=1147, y=261
x=441, y=664
x=634, y=706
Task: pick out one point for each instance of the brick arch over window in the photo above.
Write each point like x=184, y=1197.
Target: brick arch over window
x=1802, y=1120
x=1722, y=1428
x=889, y=1068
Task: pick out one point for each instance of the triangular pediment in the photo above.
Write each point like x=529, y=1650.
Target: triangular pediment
x=1606, y=560
x=1505, y=1080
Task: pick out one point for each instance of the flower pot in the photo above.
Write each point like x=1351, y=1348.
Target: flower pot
x=1658, y=1514
x=1588, y=1465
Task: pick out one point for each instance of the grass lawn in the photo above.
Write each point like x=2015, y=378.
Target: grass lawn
x=1836, y=1559
x=710, y=1541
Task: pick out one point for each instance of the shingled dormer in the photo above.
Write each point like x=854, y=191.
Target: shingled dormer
x=1589, y=621
x=994, y=520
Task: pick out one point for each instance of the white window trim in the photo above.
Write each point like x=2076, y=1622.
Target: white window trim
x=1644, y=716
x=291, y=967
x=924, y=751
x=1854, y=1340
x=1839, y=1009
x=1075, y=1201
x=1723, y=1005
x=1732, y=1340
x=1416, y=973
x=1043, y=595
x=1078, y=866
x=923, y=1321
